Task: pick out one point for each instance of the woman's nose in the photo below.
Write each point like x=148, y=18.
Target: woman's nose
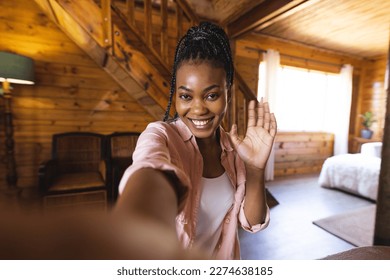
x=198, y=107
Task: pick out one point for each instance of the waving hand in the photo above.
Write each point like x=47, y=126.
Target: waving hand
x=256, y=146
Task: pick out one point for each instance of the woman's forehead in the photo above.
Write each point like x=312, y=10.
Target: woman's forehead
x=203, y=71
x=211, y=62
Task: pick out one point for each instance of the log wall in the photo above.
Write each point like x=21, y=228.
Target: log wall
x=71, y=92
x=373, y=94
x=301, y=152
x=368, y=94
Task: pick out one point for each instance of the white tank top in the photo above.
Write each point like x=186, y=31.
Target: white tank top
x=216, y=200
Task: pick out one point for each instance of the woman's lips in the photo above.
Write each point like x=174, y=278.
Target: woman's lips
x=201, y=123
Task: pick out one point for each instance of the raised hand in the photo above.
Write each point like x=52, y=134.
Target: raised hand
x=256, y=146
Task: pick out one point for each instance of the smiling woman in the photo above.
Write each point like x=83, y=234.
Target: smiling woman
x=201, y=97
x=190, y=185
x=187, y=172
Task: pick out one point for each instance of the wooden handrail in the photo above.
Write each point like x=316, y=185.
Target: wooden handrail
x=188, y=11
x=242, y=85
x=182, y=12
x=184, y=16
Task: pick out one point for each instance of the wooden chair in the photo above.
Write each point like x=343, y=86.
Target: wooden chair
x=120, y=150
x=76, y=174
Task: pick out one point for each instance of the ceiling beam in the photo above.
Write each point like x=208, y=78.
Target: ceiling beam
x=188, y=11
x=266, y=13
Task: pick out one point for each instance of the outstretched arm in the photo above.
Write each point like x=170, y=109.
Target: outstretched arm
x=254, y=150
x=149, y=193
x=141, y=226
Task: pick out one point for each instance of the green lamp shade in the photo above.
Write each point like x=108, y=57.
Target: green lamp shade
x=16, y=69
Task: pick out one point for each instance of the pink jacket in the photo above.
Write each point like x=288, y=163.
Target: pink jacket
x=172, y=147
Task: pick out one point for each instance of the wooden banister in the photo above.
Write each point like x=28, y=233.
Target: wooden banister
x=148, y=24
x=131, y=13
x=188, y=11
x=130, y=7
x=107, y=24
x=185, y=16
x=179, y=21
x=242, y=85
x=139, y=18
x=164, y=30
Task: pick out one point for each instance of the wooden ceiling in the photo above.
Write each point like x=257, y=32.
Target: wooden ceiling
x=354, y=27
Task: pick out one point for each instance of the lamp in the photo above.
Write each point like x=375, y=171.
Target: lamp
x=15, y=69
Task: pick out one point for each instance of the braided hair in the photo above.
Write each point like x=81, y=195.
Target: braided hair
x=204, y=42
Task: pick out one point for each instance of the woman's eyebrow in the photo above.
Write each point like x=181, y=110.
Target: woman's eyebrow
x=210, y=88
x=205, y=90
x=185, y=88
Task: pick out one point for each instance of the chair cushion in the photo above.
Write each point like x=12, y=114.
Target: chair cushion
x=77, y=181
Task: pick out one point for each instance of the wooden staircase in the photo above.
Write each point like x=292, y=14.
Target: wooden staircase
x=134, y=42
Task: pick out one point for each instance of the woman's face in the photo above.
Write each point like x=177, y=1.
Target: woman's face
x=201, y=97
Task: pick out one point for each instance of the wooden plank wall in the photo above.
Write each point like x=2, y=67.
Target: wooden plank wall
x=369, y=73
x=373, y=94
x=301, y=152
x=71, y=92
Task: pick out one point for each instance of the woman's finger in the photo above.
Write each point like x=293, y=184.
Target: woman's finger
x=267, y=118
x=251, y=114
x=273, y=126
x=260, y=113
x=235, y=139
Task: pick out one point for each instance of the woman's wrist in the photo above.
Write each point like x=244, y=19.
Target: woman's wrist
x=253, y=170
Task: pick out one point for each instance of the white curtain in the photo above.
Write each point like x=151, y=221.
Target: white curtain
x=341, y=144
x=339, y=109
x=267, y=88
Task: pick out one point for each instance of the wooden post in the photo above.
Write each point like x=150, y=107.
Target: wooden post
x=179, y=22
x=11, y=175
x=130, y=12
x=107, y=25
x=148, y=23
x=164, y=30
x=382, y=225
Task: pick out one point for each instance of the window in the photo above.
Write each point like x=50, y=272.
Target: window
x=304, y=98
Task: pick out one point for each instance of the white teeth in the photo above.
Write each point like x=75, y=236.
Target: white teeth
x=200, y=123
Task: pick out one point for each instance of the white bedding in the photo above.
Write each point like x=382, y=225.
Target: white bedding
x=354, y=173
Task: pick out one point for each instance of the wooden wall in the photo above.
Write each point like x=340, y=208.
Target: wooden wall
x=373, y=94
x=71, y=93
x=368, y=94
x=301, y=152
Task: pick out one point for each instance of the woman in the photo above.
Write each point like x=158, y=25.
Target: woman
x=190, y=176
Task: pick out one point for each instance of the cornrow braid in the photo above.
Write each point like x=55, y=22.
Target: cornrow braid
x=206, y=41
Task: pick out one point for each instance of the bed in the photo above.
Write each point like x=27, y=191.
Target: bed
x=354, y=173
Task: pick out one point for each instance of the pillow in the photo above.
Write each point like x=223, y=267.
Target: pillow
x=373, y=149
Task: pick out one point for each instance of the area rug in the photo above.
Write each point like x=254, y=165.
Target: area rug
x=355, y=227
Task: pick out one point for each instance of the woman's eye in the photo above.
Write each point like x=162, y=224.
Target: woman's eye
x=212, y=96
x=185, y=97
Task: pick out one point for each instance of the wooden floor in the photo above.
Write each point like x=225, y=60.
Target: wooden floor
x=291, y=234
